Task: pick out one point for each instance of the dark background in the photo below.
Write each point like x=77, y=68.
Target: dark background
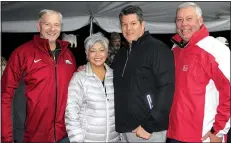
x=10, y=41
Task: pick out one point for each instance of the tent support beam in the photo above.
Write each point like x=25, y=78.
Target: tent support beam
x=91, y=25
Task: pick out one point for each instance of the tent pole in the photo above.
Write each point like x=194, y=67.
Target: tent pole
x=91, y=25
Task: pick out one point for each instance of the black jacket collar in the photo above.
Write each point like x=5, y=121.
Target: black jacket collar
x=140, y=39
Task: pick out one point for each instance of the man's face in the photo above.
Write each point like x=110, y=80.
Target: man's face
x=132, y=29
x=115, y=42
x=187, y=22
x=50, y=26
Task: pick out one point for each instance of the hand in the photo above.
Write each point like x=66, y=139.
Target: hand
x=141, y=133
x=81, y=68
x=213, y=138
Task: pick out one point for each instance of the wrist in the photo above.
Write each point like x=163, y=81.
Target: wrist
x=212, y=130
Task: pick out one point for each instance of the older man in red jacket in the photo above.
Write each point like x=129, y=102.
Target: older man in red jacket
x=46, y=65
x=201, y=106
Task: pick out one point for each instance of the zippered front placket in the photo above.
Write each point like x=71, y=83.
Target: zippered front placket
x=56, y=92
x=128, y=53
x=107, y=114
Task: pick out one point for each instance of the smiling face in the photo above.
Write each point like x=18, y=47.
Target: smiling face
x=49, y=26
x=132, y=29
x=188, y=22
x=97, y=54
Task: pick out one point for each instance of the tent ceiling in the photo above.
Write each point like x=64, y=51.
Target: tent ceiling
x=159, y=16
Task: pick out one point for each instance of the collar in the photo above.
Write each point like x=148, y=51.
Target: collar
x=89, y=71
x=196, y=37
x=146, y=33
x=43, y=43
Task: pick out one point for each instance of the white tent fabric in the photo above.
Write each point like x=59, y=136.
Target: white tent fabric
x=159, y=16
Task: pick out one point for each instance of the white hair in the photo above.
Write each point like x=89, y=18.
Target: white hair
x=45, y=11
x=191, y=4
x=95, y=38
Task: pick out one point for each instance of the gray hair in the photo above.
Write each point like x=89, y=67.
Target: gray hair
x=191, y=4
x=95, y=38
x=132, y=9
x=45, y=11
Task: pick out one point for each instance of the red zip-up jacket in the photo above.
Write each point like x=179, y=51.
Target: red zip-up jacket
x=46, y=81
x=202, y=89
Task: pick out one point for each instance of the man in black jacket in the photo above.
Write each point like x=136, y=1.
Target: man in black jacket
x=143, y=81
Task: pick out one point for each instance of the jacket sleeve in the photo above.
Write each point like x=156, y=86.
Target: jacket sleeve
x=164, y=72
x=218, y=70
x=10, y=79
x=74, y=103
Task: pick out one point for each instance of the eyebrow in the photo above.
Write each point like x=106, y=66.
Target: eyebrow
x=186, y=16
x=98, y=48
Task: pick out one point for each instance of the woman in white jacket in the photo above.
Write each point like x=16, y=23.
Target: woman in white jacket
x=89, y=115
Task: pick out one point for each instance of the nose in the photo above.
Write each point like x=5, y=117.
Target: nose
x=184, y=22
x=52, y=27
x=97, y=53
x=129, y=27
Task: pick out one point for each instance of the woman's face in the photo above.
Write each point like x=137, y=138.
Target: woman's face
x=97, y=54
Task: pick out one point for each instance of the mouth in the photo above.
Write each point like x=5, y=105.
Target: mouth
x=185, y=31
x=129, y=34
x=98, y=59
x=53, y=34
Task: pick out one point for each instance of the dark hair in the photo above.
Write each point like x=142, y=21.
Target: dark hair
x=132, y=9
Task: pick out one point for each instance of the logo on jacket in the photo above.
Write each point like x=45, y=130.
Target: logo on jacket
x=68, y=62
x=35, y=61
x=149, y=101
x=185, y=68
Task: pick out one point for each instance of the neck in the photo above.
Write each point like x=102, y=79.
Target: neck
x=99, y=71
x=184, y=41
x=52, y=46
x=98, y=68
x=130, y=44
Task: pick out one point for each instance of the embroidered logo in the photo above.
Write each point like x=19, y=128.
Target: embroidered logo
x=185, y=68
x=35, y=61
x=68, y=62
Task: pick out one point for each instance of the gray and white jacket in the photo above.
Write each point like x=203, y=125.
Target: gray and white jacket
x=89, y=115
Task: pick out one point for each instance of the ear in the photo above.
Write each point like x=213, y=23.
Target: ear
x=143, y=24
x=38, y=26
x=201, y=20
x=86, y=52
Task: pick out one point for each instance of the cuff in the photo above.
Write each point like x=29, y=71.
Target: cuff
x=148, y=125
x=212, y=130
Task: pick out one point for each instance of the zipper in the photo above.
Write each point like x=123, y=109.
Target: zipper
x=128, y=53
x=107, y=115
x=179, y=44
x=56, y=92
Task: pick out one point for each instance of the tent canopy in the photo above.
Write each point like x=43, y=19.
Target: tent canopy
x=159, y=16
